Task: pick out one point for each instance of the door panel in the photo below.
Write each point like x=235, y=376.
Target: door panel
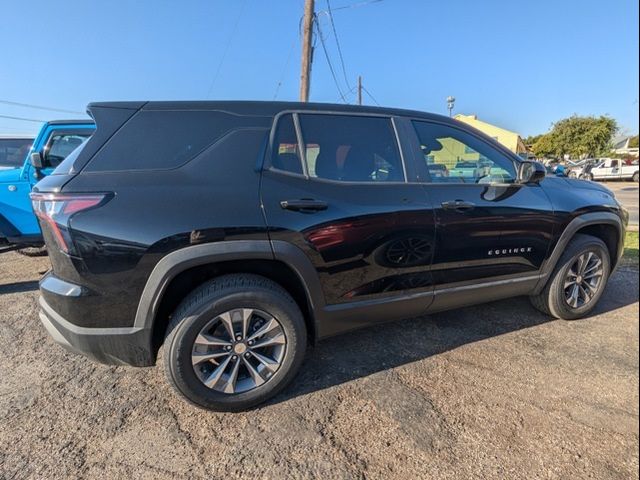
x=371, y=240
x=345, y=204
x=507, y=232
x=487, y=225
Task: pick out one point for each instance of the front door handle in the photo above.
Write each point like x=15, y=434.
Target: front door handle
x=458, y=205
x=307, y=205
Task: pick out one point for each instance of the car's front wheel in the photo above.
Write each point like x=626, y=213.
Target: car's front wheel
x=234, y=342
x=578, y=280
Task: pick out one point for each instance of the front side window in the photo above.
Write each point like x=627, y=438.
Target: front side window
x=61, y=145
x=454, y=156
x=351, y=148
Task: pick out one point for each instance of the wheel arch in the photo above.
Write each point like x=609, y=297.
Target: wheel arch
x=606, y=226
x=181, y=271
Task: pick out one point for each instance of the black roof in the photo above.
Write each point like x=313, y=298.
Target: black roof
x=264, y=108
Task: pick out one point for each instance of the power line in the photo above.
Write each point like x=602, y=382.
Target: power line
x=22, y=119
x=326, y=54
x=370, y=96
x=226, y=49
x=335, y=34
x=38, y=107
x=356, y=5
x=15, y=129
x=347, y=95
x=284, y=71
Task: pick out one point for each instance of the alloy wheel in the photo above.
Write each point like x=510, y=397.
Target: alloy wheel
x=583, y=279
x=238, y=350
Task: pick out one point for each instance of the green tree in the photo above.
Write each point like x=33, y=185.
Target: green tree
x=633, y=143
x=532, y=139
x=577, y=136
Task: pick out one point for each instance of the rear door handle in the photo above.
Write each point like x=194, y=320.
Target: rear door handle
x=458, y=205
x=304, y=205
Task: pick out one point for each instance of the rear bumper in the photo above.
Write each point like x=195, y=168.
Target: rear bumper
x=113, y=346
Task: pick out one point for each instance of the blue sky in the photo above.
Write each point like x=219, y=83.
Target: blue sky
x=519, y=64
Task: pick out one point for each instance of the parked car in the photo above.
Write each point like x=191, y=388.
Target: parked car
x=18, y=224
x=612, y=169
x=575, y=168
x=437, y=170
x=234, y=234
x=13, y=150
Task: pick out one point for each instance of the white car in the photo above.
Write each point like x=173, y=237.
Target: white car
x=611, y=169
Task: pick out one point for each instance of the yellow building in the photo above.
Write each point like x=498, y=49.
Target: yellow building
x=509, y=139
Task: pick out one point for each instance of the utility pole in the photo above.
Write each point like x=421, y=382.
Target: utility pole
x=307, y=50
x=359, y=90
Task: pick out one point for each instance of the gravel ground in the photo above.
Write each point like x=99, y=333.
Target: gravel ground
x=496, y=391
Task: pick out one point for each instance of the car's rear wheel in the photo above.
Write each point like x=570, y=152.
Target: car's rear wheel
x=578, y=280
x=234, y=342
x=635, y=177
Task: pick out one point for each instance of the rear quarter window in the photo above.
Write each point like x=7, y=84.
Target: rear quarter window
x=162, y=140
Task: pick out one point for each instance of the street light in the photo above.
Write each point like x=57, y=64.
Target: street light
x=450, y=101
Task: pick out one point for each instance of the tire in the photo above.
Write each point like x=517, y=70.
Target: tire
x=33, y=251
x=207, y=305
x=552, y=300
x=635, y=177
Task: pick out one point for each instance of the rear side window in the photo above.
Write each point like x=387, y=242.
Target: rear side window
x=286, y=154
x=161, y=140
x=351, y=148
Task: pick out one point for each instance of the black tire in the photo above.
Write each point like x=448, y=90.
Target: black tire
x=635, y=177
x=214, y=297
x=40, y=251
x=551, y=301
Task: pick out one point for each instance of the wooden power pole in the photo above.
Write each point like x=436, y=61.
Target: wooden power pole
x=359, y=90
x=307, y=32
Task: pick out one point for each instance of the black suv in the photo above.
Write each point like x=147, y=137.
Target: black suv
x=234, y=234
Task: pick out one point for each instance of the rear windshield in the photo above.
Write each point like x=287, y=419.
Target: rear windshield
x=13, y=151
x=161, y=140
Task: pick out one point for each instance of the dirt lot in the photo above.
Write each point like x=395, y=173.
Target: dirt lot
x=497, y=391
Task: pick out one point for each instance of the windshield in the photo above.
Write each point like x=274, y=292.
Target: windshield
x=66, y=166
x=13, y=151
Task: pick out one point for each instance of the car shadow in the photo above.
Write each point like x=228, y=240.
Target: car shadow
x=19, y=287
x=380, y=347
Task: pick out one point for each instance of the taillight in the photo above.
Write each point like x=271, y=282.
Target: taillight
x=57, y=209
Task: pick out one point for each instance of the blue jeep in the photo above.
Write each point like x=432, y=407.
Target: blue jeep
x=18, y=225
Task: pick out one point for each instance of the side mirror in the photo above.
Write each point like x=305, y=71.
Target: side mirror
x=36, y=160
x=531, y=172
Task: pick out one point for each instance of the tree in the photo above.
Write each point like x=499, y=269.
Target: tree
x=633, y=143
x=578, y=137
x=532, y=139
